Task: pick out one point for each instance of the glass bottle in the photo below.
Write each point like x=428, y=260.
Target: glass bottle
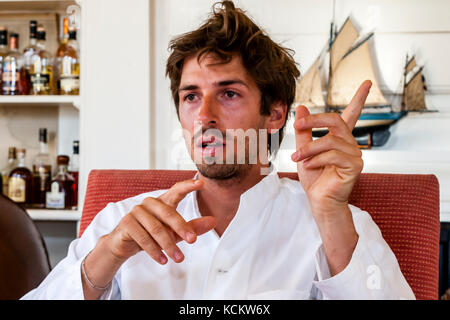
x=3, y=50
x=64, y=39
x=41, y=69
x=28, y=53
x=11, y=67
x=20, y=181
x=12, y=163
x=42, y=171
x=59, y=194
x=69, y=68
x=74, y=167
x=60, y=53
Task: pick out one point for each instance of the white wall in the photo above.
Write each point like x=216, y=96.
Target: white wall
x=115, y=82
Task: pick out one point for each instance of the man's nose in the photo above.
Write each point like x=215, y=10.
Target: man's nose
x=207, y=114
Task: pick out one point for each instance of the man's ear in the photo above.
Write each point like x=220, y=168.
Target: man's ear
x=277, y=117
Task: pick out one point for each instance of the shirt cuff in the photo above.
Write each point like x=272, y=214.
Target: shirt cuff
x=329, y=285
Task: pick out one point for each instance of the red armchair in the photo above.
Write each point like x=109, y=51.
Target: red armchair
x=404, y=206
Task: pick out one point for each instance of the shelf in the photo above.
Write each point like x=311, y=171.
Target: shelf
x=53, y=100
x=21, y=6
x=54, y=215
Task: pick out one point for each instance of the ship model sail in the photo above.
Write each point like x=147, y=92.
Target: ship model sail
x=413, y=98
x=349, y=64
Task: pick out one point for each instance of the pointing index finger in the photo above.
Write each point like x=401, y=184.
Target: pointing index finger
x=354, y=109
x=179, y=190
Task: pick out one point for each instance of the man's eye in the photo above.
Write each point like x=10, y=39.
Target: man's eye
x=230, y=94
x=189, y=97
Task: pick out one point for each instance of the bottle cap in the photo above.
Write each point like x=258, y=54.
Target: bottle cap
x=62, y=160
x=13, y=40
x=33, y=28
x=72, y=34
x=3, y=36
x=76, y=147
x=43, y=135
x=12, y=153
x=66, y=25
x=40, y=33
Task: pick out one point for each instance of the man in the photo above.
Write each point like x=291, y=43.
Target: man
x=237, y=231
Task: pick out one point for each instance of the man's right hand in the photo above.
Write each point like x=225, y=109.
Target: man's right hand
x=155, y=225
x=152, y=226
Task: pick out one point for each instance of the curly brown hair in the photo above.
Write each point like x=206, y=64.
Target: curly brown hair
x=230, y=31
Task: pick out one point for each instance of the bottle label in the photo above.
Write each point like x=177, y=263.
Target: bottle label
x=16, y=189
x=10, y=78
x=41, y=175
x=40, y=81
x=70, y=83
x=55, y=198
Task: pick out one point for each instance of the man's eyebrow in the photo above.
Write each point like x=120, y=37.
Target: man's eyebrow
x=188, y=87
x=228, y=82
x=217, y=84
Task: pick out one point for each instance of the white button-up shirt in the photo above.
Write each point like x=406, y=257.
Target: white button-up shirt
x=271, y=249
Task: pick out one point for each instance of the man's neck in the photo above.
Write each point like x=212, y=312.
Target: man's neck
x=221, y=199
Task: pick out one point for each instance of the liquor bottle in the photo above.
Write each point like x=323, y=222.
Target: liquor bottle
x=12, y=163
x=41, y=69
x=42, y=171
x=11, y=67
x=64, y=39
x=28, y=53
x=3, y=50
x=59, y=194
x=20, y=181
x=74, y=167
x=69, y=68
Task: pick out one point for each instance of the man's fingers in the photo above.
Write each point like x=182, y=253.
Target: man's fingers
x=353, y=110
x=336, y=158
x=179, y=190
x=332, y=121
x=169, y=216
x=326, y=143
x=145, y=241
x=302, y=136
x=158, y=231
x=203, y=224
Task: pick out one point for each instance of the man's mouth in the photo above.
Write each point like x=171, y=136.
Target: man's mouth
x=209, y=145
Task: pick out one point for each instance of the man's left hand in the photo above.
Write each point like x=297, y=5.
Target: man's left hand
x=328, y=168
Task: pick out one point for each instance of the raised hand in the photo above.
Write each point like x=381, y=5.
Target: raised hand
x=328, y=167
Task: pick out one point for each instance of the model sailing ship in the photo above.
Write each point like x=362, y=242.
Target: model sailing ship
x=349, y=63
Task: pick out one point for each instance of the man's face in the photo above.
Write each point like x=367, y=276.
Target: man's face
x=214, y=98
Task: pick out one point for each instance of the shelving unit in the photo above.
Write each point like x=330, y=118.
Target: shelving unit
x=60, y=113
x=54, y=215
x=41, y=100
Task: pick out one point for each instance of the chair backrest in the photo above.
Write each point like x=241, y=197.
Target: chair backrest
x=24, y=260
x=404, y=206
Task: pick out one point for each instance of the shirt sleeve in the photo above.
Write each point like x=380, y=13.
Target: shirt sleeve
x=64, y=281
x=372, y=273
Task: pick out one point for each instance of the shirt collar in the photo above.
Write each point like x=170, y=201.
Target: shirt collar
x=252, y=202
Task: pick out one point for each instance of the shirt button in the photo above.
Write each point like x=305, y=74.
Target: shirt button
x=221, y=271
